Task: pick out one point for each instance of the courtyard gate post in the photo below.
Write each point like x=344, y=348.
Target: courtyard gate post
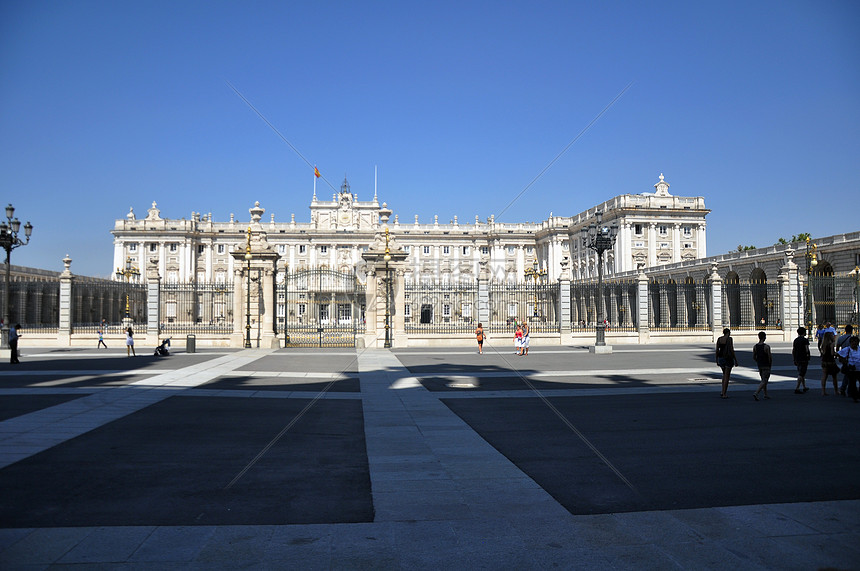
x=64, y=331
x=153, y=301
x=716, y=303
x=484, y=293
x=642, y=306
x=563, y=311
x=790, y=306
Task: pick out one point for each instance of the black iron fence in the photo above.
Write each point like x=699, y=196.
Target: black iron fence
x=196, y=307
x=620, y=303
x=440, y=308
x=104, y=304
x=751, y=305
x=834, y=299
x=536, y=303
x=683, y=306
x=319, y=307
x=33, y=304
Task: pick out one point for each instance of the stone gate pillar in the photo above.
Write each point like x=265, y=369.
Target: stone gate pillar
x=642, y=306
x=254, y=287
x=716, y=303
x=153, y=300
x=484, y=293
x=790, y=311
x=64, y=331
x=564, y=298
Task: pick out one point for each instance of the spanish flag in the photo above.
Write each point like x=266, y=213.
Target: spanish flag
x=316, y=172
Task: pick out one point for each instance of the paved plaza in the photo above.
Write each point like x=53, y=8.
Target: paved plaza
x=422, y=459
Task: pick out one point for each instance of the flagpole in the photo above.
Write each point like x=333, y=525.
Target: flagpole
x=315, y=182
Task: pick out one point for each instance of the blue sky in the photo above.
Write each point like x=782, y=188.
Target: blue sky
x=109, y=105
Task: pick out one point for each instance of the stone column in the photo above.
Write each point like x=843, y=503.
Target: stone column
x=153, y=299
x=642, y=306
x=370, y=308
x=716, y=308
x=563, y=312
x=789, y=311
x=398, y=319
x=484, y=292
x=64, y=331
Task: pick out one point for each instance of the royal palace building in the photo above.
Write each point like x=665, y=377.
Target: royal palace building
x=654, y=228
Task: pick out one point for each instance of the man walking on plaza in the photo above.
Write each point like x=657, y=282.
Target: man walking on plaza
x=764, y=359
x=13, y=343
x=800, y=354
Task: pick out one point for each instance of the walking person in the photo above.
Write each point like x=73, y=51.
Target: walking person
x=726, y=359
x=829, y=366
x=800, y=354
x=14, y=333
x=850, y=358
x=101, y=339
x=129, y=342
x=518, y=340
x=764, y=359
x=479, y=335
x=525, y=337
x=841, y=343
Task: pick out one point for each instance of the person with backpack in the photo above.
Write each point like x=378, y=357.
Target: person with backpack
x=764, y=359
x=841, y=343
x=800, y=354
x=850, y=358
x=479, y=335
x=726, y=359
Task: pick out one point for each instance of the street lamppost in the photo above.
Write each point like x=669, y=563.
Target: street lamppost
x=535, y=273
x=9, y=240
x=599, y=238
x=811, y=262
x=387, y=258
x=127, y=273
x=248, y=292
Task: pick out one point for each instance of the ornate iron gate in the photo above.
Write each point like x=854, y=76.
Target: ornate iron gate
x=319, y=307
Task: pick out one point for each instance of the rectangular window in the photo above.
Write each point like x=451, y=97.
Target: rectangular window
x=485, y=250
x=282, y=248
x=220, y=248
x=688, y=245
x=446, y=310
x=446, y=250
x=426, y=249
x=688, y=231
x=323, y=249
x=323, y=313
x=407, y=249
x=132, y=247
x=408, y=311
x=467, y=310
x=465, y=250
x=512, y=250
x=153, y=247
x=173, y=247
x=201, y=248
x=512, y=309
x=344, y=312
x=663, y=230
x=638, y=244
x=529, y=250
x=302, y=248
x=637, y=229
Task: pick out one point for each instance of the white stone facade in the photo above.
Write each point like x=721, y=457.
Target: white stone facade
x=654, y=228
